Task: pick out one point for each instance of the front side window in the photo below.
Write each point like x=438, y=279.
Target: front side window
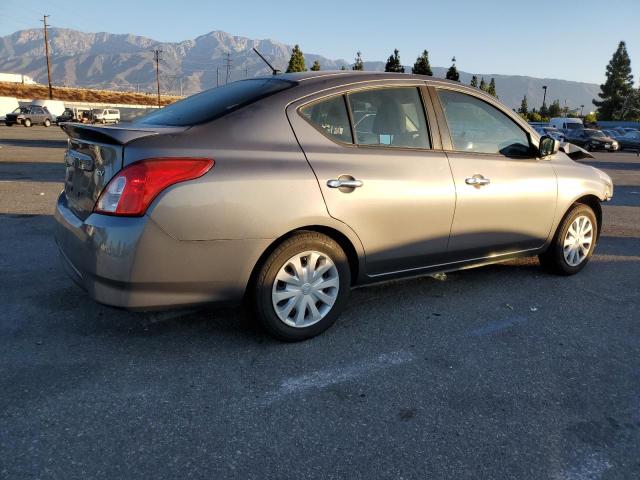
x=392, y=117
x=331, y=117
x=476, y=126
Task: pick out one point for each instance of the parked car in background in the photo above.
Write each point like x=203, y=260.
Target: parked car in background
x=552, y=132
x=591, y=139
x=30, y=115
x=72, y=114
x=7, y=105
x=263, y=190
x=105, y=115
x=55, y=107
x=630, y=141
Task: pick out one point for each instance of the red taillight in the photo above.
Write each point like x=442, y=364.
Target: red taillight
x=133, y=189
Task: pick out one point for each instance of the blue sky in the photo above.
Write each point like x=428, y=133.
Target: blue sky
x=571, y=40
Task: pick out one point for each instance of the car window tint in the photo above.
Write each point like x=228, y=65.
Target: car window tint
x=391, y=117
x=476, y=126
x=331, y=117
x=214, y=103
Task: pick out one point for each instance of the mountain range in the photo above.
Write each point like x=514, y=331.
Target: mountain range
x=125, y=62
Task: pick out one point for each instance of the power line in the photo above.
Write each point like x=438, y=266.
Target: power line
x=157, y=53
x=227, y=62
x=46, y=49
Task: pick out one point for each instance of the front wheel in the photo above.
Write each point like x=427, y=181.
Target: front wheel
x=573, y=243
x=302, y=287
x=47, y=122
x=27, y=122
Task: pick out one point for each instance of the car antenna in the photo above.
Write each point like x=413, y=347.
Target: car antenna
x=275, y=71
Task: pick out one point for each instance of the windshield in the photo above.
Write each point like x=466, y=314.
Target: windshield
x=214, y=103
x=574, y=126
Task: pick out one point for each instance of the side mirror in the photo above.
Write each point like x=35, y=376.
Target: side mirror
x=548, y=146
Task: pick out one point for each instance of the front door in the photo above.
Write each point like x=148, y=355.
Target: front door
x=382, y=177
x=506, y=196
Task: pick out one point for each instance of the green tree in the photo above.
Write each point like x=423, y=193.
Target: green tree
x=590, y=118
x=534, y=116
x=618, y=88
x=393, y=63
x=358, y=64
x=296, y=62
x=452, y=73
x=555, y=110
x=316, y=66
x=483, y=85
x=422, y=66
x=544, y=110
x=474, y=81
x=524, y=107
x=491, y=90
x=343, y=67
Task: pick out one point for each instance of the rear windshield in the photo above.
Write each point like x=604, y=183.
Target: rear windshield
x=214, y=103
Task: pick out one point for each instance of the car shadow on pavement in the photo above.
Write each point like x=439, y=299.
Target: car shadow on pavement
x=28, y=142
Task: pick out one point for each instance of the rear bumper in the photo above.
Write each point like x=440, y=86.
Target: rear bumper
x=131, y=262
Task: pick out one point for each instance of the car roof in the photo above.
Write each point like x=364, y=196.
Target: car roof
x=345, y=76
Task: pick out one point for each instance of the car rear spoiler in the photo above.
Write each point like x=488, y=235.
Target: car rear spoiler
x=119, y=134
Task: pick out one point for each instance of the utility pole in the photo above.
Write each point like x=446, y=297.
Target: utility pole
x=156, y=57
x=227, y=62
x=46, y=49
x=217, y=77
x=582, y=110
x=544, y=99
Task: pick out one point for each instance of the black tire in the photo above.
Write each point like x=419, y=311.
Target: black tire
x=553, y=260
x=26, y=122
x=9, y=124
x=47, y=122
x=262, y=291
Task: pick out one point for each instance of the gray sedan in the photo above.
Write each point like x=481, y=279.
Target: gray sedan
x=287, y=191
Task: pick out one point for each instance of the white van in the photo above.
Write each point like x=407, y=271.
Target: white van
x=7, y=105
x=562, y=123
x=105, y=115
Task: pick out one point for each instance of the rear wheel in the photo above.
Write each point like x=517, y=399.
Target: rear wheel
x=573, y=243
x=47, y=122
x=302, y=287
x=27, y=122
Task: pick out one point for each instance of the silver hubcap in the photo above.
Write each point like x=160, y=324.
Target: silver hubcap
x=578, y=240
x=305, y=289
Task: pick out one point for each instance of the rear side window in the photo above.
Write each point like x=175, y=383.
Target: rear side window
x=476, y=126
x=331, y=117
x=391, y=117
x=214, y=103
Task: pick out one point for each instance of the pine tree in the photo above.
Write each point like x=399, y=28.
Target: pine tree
x=524, y=107
x=483, y=85
x=474, y=81
x=316, y=66
x=296, y=62
x=452, y=73
x=555, y=109
x=358, y=64
x=491, y=90
x=422, y=66
x=393, y=63
x=617, y=89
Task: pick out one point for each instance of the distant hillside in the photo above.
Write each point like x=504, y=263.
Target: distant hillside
x=82, y=95
x=124, y=62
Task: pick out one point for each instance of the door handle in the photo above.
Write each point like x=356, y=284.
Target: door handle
x=477, y=181
x=338, y=183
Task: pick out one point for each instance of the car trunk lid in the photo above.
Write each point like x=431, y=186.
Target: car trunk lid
x=93, y=156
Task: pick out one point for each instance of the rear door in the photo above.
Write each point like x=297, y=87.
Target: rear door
x=388, y=180
x=506, y=196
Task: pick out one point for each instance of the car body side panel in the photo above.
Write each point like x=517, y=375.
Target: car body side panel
x=403, y=211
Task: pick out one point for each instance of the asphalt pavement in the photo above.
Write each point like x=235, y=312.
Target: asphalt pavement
x=501, y=372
